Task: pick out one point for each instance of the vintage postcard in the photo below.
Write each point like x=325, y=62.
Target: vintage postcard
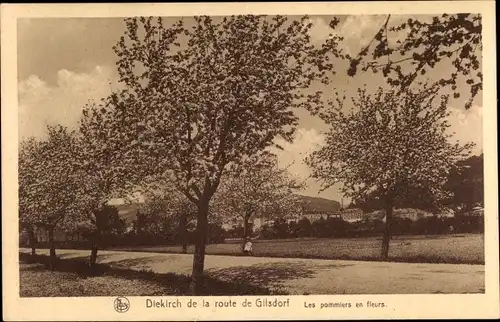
x=249, y=161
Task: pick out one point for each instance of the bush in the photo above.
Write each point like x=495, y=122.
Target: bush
x=215, y=234
x=338, y=228
x=238, y=231
x=304, y=228
x=267, y=232
x=468, y=224
x=152, y=233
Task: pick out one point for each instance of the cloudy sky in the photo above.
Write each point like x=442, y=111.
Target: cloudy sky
x=63, y=63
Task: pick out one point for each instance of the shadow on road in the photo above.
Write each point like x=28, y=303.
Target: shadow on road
x=177, y=282
x=271, y=274
x=141, y=263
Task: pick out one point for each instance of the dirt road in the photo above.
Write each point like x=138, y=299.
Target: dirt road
x=308, y=276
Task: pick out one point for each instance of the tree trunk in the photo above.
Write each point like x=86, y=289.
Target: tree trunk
x=387, y=230
x=32, y=241
x=199, y=250
x=52, y=247
x=95, y=248
x=245, y=231
x=183, y=232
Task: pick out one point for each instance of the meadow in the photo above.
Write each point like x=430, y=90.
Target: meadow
x=72, y=277
x=456, y=249
x=37, y=281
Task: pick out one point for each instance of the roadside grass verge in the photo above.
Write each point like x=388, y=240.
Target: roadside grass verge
x=457, y=249
x=73, y=277
x=415, y=259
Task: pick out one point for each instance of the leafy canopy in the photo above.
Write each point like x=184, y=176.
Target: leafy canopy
x=393, y=142
x=47, y=178
x=258, y=186
x=456, y=38
x=201, y=97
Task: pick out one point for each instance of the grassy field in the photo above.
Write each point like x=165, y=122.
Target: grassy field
x=72, y=277
x=36, y=281
x=458, y=249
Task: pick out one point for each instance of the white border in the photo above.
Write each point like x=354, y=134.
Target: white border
x=399, y=306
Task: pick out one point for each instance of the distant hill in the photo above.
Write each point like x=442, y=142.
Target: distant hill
x=319, y=204
x=128, y=212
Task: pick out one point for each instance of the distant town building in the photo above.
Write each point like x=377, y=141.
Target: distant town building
x=408, y=213
x=316, y=215
x=412, y=214
x=446, y=213
x=231, y=223
x=268, y=223
x=127, y=212
x=42, y=235
x=312, y=216
x=312, y=208
x=375, y=215
x=352, y=215
x=258, y=222
x=476, y=212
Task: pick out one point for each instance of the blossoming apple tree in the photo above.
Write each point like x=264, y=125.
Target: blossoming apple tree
x=47, y=181
x=392, y=142
x=203, y=94
x=258, y=186
x=104, y=172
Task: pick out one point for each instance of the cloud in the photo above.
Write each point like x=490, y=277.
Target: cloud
x=41, y=104
x=467, y=126
x=320, y=29
x=359, y=30
x=294, y=153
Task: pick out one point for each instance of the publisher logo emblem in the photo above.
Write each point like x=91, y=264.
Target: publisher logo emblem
x=121, y=304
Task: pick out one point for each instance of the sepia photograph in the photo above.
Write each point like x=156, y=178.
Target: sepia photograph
x=250, y=155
